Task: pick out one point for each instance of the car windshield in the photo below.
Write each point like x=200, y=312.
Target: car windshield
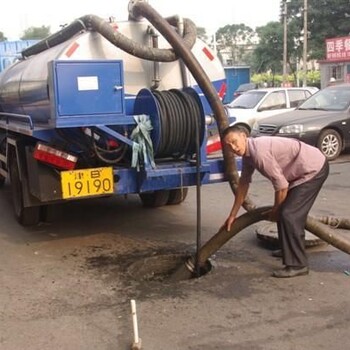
x=246, y=87
x=336, y=98
x=248, y=100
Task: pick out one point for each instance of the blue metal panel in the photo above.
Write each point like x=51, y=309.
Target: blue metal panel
x=235, y=76
x=87, y=92
x=173, y=175
x=166, y=176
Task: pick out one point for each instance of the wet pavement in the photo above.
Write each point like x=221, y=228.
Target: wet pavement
x=68, y=284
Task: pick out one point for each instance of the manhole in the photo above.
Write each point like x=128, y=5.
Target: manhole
x=268, y=234
x=161, y=267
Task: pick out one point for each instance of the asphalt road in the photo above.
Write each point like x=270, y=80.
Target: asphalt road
x=68, y=284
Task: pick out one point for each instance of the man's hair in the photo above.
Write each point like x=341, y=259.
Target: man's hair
x=236, y=128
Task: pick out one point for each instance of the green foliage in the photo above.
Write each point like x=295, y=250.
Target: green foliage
x=268, y=53
x=202, y=34
x=326, y=19
x=235, y=38
x=2, y=37
x=313, y=78
x=234, y=34
x=36, y=33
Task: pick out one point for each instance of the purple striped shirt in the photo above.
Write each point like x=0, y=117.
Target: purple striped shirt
x=285, y=162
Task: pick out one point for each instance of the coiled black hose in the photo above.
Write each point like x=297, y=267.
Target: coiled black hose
x=179, y=116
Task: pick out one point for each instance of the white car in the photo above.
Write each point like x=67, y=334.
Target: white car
x=256, y=104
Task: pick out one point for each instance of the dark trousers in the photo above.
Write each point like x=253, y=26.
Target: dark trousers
x=292, y=218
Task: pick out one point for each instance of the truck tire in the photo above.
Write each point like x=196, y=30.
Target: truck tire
x=177, y=196
x=155, y=199
x=26, y=216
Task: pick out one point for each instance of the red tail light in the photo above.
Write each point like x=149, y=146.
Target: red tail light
x=213, y=144
x=54, y=157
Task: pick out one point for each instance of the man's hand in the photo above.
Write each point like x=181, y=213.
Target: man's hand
x=228, y=223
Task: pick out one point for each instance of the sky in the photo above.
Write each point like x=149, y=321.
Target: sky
x=18, y=15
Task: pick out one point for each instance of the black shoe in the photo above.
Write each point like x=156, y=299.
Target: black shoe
x=277, y=253
x=291, y=271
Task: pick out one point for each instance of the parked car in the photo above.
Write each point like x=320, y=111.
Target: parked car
x=244, y=88
x=322, y=121
x=256, y=104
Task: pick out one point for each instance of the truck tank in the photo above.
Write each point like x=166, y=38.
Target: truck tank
x=24, y=85
x=101, y=108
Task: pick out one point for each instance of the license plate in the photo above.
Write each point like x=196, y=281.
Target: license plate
x=87, y=182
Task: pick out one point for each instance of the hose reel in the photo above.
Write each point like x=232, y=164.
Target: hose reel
x=175, y=116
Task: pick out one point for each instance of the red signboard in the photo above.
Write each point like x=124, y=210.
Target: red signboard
x=338, y=49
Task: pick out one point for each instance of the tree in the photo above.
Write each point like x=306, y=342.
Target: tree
x=2, y=37
x=269, y=52
x=36, y=33
x=326, y=19
x=202, y=34
x=237, y=38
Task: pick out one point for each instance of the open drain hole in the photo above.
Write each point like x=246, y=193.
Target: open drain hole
x=161, y=267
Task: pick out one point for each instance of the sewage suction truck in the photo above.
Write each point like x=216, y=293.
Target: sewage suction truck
x=103, y=108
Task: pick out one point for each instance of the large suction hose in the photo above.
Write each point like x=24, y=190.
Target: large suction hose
x=95, y=23
x=253, y=215
x=313, y=225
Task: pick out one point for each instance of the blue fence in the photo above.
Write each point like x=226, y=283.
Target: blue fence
x=10, y=51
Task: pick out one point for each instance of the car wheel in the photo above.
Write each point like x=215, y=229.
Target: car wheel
x=2, y=164
x=330, y=144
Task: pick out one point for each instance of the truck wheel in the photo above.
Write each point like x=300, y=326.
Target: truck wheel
x=155, y=198
x=26, y=216
x=177, y=195
x=330, y=144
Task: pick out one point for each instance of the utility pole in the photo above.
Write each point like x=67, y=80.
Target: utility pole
x=305, y=45
x=285, y=36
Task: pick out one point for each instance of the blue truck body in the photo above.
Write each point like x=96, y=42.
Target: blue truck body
x=87, y=102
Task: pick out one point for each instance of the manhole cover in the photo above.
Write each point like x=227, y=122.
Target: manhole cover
x=160, y=267
x=268, y=234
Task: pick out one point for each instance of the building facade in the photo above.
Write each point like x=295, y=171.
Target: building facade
x=336, y=66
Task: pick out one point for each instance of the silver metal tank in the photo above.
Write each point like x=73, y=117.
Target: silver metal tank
x=24, y=85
